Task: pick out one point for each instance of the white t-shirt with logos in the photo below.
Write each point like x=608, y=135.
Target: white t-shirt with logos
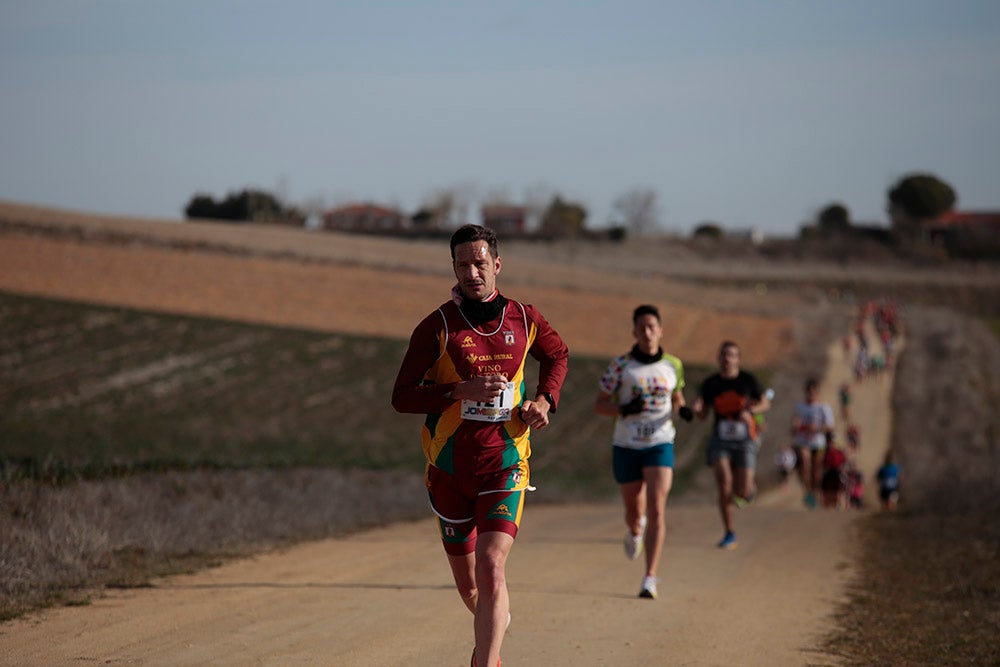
x=626, y=378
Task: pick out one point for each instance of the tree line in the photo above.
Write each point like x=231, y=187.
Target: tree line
x=912, y=202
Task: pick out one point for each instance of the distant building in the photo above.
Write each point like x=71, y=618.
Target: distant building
x=503, y=219
x=966, y=233
x=365, y=218
x=965, y=221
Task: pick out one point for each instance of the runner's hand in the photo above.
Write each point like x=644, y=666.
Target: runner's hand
x=534, y=415
x=482, y=388
x=633, y=407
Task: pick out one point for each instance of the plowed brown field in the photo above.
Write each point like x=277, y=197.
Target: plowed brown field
x=360, y=285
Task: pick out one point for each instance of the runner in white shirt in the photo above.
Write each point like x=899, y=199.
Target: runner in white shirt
x=642, y=390
x=812, y=421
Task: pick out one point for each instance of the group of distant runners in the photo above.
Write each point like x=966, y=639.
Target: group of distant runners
x=464, y=369
x=829, y=472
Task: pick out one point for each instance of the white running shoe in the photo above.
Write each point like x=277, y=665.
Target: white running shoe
x=648, y=588
x=633, y=543
x=633, y=546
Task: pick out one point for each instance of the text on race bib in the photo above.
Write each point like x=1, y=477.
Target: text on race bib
x=497, y=410
x=732, y=429
x=642, y=431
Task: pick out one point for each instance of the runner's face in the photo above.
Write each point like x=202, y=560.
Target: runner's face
x=476, y=270
x=648, y=332
x=729, y=360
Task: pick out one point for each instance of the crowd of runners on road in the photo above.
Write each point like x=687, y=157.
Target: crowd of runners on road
x=465, y=370
x=827, y=467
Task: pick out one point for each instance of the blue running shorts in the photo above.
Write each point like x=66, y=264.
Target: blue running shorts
x=628, y=463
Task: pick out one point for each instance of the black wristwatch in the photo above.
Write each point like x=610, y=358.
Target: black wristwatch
x=548, y=397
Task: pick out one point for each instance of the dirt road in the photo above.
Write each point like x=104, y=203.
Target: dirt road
x=384, y=597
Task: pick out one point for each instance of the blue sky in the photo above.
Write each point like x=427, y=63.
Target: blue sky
x=744, y=113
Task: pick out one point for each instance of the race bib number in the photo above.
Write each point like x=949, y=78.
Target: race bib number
x=642, y=431
x=497, y=410
x=732, y=429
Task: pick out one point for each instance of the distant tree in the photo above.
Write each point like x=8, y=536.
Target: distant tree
x=562, y=219
x=258, y=206
x=423, y=219
x=834, y=220
x=617, y=233
x=536, y=201
x=708, y=230
x=243, y=206
x=809, y=231
x=916, y=199
x=639, y=210
x=201, y=206
x=497, y=196
x=450, y=205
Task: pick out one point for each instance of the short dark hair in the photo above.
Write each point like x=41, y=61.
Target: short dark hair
x=812, y=383
x=728, y=343
x=645, y=309
x=470, y=233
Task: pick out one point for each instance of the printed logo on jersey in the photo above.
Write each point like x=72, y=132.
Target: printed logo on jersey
x=729, y=403
x=508, y=337
x=473, y=357
x=468, y=342
x=449, y=531
x=501, y=511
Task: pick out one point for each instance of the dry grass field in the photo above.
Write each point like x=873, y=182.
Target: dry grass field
x=929, y=588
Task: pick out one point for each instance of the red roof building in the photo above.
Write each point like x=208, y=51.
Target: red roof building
x=365, y=218
x=503, y=219
x=967, y=233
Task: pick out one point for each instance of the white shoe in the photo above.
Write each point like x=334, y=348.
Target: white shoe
x=633, y=543
x=648, y=588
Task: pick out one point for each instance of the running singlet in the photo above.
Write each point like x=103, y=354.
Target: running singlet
x=627, y=377
x=728, y=398
x=466, y=437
